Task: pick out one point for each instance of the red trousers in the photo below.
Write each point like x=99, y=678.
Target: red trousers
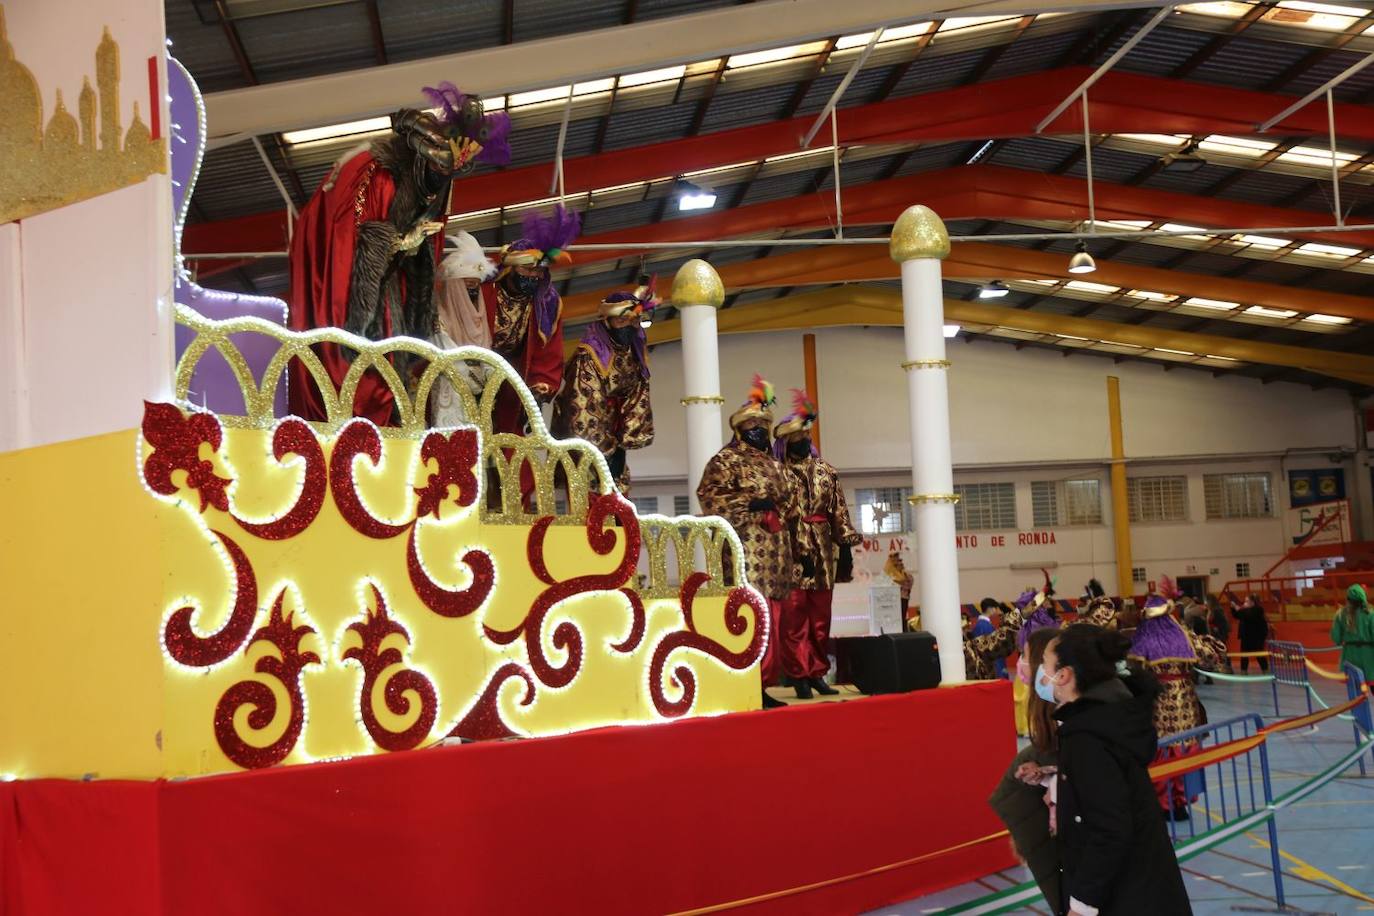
x=806, y=633
x=768, y=668
x=1170, y=792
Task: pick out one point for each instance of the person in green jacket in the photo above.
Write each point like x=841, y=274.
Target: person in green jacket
x=1353, y=631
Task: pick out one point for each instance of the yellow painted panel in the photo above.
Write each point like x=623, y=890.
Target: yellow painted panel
x=80, y=558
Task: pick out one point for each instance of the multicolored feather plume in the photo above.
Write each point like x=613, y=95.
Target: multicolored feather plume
x=761, y=392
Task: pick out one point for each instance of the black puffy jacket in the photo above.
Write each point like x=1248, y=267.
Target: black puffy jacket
x=1114, y=846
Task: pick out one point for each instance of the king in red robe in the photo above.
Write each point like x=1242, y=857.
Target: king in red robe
x=365, y=246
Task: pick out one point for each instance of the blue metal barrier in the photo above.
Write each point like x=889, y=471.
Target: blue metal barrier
x=1289, y=660
x=1362, y=715
x=1227, y=790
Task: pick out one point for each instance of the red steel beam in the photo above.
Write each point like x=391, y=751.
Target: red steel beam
x=1008, y=108
x=981, y=261
x=966, y=192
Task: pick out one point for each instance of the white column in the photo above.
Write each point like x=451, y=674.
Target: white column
x=697, y=293
x=919, y=243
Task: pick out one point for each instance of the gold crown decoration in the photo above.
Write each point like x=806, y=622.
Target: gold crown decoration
x=59, y=164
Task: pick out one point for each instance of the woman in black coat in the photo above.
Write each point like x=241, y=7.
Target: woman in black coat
x=1253, y=632
x=1115, y=853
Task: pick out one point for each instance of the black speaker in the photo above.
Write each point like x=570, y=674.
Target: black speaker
x=890, y=663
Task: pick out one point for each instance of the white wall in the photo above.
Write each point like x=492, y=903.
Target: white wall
x=85, y=290
x=1029, y=415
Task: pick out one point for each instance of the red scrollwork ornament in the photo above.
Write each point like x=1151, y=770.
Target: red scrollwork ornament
x=483, y=721
x=566, y=637
x=189, y=648
x=450, y=602
x=689, y=638
x=294, y=437
x=358, y=437
x=176, y=439
x=285, y=667
x=455, y=457
x=374, y=660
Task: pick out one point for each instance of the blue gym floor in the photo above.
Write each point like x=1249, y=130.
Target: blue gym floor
x=1326, y=840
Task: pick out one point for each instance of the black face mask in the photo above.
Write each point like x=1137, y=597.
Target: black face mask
x=621, y=336
x=522, y=285
x=756, y=437
x=799, y=449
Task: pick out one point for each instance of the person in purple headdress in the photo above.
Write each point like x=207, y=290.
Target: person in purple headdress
x=366, y=244
x=1172, y=654
x=525, y=315
x=605, y=396
x=981, y=653
x=1035, y=607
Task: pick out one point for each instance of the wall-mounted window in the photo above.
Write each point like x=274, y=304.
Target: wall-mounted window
x=1238, y=495
x=1242, y=570
x=682, y=505
x=985, y=506
x=1138, y=575
x=645, y=505
x=1066, y=502
x=883, y=510
x=1157, y=499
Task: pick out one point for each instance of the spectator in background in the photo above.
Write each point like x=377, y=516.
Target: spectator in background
x=1194, y=616
x=1114, y=848
x=983, y=625
x=1217, y=620
x=1253, y=628
x=1353, y=631
x=1019, y=798
x=897, y=572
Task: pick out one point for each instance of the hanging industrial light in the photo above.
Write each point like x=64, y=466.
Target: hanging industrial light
x=994, y=290
x=694, y=197
x=1082, y=262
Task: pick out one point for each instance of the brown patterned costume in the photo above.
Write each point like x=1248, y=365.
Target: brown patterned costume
x=825, y=533
x=735, y=476
x=825, y=522
x=980, y=652
x=606, y=404
x=1178, y=708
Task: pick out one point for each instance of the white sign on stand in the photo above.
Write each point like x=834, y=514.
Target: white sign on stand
x=885, y=609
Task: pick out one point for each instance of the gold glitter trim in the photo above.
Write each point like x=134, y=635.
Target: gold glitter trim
x=52, y=167
x=703, y=399
x=918, y=233
x=571, y=467
x=920, y=498
x=697, y=283
x=926, y=364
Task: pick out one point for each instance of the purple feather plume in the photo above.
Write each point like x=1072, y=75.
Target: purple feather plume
x=549, y=232
x=496, y=148
x=448, y=98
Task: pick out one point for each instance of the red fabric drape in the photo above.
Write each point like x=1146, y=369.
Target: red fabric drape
x=617, y=820
x=321, y=268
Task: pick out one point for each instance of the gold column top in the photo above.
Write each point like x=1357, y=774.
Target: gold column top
x=697, y=283
x=919, y=233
